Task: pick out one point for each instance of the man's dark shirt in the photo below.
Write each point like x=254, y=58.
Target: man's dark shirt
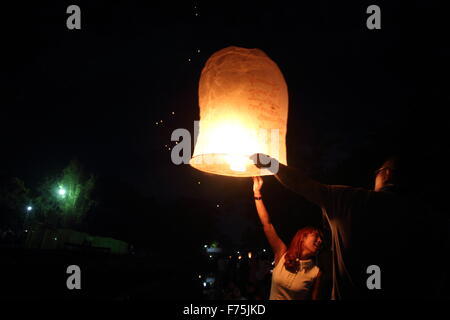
x=389, y=228
x=370, y=228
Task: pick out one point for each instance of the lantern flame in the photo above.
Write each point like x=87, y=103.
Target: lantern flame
x=237, y=163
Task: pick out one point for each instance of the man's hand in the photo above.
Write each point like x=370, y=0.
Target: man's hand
x=263, y=161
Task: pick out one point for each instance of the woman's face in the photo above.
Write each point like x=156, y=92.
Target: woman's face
x=312, y=242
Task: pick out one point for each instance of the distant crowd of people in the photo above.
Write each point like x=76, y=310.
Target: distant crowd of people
x=239, y=279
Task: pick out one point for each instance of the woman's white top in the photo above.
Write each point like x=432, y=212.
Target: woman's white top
x=293, y=286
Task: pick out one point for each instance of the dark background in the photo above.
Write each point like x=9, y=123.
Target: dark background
x=95, y=94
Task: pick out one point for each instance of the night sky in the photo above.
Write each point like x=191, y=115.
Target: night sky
x=96, y=94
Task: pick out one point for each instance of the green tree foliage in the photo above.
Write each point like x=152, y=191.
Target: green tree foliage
x=65, y=208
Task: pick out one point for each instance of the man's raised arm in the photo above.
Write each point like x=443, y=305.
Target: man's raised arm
x=295, y=180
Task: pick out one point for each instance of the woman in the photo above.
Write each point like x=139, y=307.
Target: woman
x=295, y=276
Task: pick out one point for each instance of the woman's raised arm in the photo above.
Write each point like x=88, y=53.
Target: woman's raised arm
x=278, y=246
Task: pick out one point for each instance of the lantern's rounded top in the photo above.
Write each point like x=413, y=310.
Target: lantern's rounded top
x=239, y=50
x=243, y=59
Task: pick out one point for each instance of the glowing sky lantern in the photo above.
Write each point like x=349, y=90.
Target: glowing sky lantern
x=243, y=101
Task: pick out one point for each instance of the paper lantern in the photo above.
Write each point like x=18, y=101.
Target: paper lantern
x=243, y=102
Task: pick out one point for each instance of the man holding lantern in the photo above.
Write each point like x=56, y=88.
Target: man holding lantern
x=368, y=228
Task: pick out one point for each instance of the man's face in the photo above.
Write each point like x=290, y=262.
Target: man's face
x=380, y=178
